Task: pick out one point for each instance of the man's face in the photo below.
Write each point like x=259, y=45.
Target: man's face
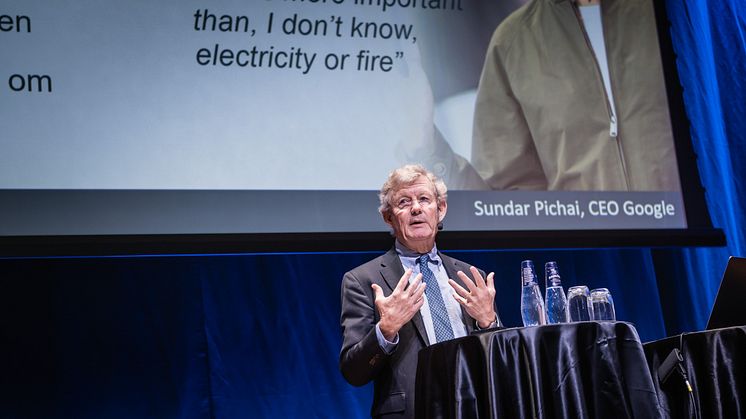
x=415, y=215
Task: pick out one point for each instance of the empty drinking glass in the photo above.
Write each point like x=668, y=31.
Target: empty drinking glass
x=579, y=303
x=603, y=304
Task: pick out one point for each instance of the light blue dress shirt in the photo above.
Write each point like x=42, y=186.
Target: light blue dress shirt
x=455, y=315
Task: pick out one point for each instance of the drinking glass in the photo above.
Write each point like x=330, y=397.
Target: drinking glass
x=579, y=303
x=603, y=304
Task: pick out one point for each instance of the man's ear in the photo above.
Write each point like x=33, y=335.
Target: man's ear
x=387, y=218
x=442, y=209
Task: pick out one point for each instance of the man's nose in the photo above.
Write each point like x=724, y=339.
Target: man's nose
x=416, y=207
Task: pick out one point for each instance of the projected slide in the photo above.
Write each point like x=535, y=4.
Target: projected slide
x=287, y=115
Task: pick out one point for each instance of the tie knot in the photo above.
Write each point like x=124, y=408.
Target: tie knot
x=423, y=259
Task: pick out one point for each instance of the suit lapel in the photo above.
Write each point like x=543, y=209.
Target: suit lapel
x=452, y=266
x=392, y=271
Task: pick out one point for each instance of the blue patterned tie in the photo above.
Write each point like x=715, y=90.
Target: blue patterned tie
x=441, y=323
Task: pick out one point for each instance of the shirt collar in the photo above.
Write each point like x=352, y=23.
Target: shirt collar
x=405, y=252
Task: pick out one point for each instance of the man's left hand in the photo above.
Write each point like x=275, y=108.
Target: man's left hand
x=479, y=299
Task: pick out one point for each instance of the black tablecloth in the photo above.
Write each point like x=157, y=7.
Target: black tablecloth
x=715, y=362
x=577, y=370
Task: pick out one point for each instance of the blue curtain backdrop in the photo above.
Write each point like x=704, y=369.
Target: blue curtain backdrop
x=709, y=38
x=258, y=335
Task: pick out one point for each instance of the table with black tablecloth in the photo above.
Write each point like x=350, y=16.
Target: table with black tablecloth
x=576, y=370
x=715, y=364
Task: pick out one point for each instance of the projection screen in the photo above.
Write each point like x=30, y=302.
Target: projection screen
x=275, y=117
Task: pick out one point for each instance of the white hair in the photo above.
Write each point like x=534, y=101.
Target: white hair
x=405, y=176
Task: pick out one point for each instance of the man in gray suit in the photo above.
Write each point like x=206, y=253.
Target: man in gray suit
x=410, y=297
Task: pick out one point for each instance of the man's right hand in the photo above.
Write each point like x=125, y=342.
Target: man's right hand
x=399, y=307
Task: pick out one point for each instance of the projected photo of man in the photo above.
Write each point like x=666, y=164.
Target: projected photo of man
x=448, y=58
x=572, y=97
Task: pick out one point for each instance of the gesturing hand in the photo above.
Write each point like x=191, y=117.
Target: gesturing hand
x=479, y=299
x=399, y=307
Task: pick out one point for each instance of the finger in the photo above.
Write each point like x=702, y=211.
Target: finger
x=377, y=291
x=491, y=280
x=418, y=304
x=415, y=284
x=461, y=300
x=477, y=277
x=404, y=280
x=419, y=292
x=458, y=288
x=467, y=281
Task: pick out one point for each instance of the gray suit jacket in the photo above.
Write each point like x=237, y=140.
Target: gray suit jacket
x=361, y=358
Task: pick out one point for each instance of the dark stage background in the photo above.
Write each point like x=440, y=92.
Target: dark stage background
x=258, y=335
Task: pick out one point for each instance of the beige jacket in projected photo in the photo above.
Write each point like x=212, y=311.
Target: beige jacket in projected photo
x=543, y=118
